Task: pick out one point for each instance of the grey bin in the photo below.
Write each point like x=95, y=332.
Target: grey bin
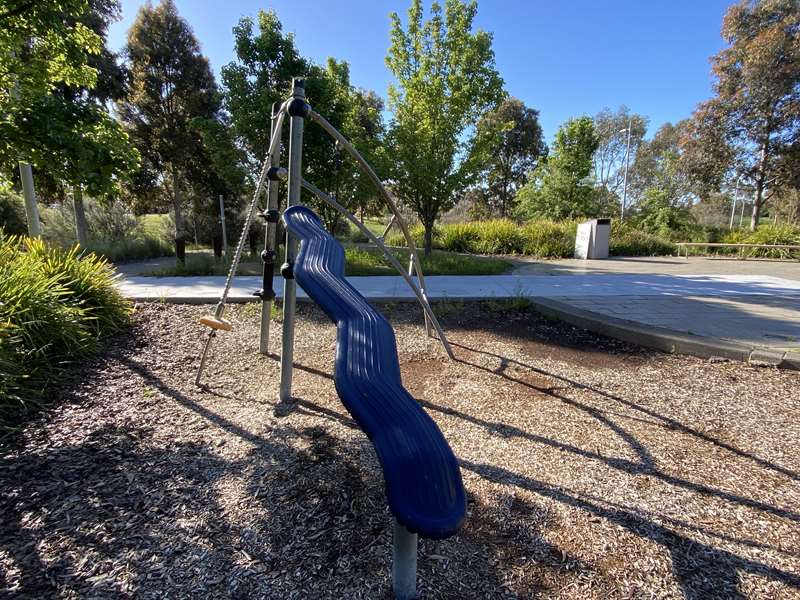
x=591, y=239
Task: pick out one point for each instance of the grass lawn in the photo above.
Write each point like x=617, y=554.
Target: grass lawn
x=359, y=261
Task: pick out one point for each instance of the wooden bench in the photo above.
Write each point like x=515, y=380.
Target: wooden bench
x=686, y=245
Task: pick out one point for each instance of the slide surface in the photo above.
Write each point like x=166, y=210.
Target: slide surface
x=423, y=480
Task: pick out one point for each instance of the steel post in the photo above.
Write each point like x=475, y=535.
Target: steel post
x=294, y=183
x=267, y=287
x=404, y=563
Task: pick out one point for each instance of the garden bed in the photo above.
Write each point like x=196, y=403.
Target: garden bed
x=593, y=469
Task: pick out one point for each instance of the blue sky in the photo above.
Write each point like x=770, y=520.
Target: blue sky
x=563, y=57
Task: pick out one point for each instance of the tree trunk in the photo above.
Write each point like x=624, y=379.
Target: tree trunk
x=428, y=237
x=81, y=227
x=180, y=242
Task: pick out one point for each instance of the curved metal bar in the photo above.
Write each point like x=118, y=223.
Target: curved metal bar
x=426, y=307
x=365, y=166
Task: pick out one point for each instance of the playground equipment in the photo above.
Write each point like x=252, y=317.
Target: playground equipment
x=423, y=481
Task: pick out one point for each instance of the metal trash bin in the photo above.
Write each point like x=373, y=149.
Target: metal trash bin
x=591, y=239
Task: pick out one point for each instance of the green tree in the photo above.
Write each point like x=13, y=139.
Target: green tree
x=562, y=186
x=753, y=121
x=171, y=88
x=515, y=146
x=445, y=81
x=266, y=61
x=50, y=106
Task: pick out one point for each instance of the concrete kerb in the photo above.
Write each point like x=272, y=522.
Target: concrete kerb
x=665, y=340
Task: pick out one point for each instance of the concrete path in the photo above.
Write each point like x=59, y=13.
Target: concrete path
x=662, y=265
x=743, y=317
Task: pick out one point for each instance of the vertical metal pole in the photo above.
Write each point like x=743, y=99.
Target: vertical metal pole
x=269, y=240
x=404, y=563
x=735, y=197
x=31, y=209
x=741, y=216
x=222, y=221
x=289, y=286
x=625, y=177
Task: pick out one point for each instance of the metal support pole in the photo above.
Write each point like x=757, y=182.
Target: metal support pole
x=268, y=257
x=735, y=197
x=224, y=233
x=31, y=208
x=404, y=563
x=388, y=228
x=297, y=109
x=625, y=177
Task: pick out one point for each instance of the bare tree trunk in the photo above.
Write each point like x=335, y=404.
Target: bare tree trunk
x=81, y=226
x=428, y=237
x=180, y=242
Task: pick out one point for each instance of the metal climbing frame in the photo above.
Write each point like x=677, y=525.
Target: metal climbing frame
x=405, y=542
x=271, y=173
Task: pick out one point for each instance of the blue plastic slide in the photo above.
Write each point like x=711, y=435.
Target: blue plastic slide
x=423, y=481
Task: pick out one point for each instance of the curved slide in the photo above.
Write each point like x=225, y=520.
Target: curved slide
x=423, y=480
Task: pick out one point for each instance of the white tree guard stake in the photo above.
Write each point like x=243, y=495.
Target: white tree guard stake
x=216, y=321
x=31, y=208
x=296, y=108
x=365, y=166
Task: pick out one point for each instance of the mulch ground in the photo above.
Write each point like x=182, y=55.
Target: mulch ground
x=593, y=470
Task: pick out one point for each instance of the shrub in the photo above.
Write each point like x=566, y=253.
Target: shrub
x=460, y=237
x=56, y=307
x=114, y=231
x=500, y=236
x=12, y=211
x=549, y=239
x=765, y=234
x=627, y=240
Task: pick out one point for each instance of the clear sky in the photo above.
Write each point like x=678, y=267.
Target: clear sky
x=562, y=57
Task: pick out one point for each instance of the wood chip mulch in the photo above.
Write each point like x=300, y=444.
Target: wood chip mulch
x=593, y=469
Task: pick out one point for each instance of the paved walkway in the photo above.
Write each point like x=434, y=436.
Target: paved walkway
x=733, y=313
x=662, y=265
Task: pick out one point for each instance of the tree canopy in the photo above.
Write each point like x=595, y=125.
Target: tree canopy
x=445, y=80
x=751, y=127
x=516, y=144
x=562, y=187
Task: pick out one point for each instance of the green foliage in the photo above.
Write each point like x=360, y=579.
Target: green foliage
x=515, y=143
x=172, y=100
x=549, y=239
x=115, y=232
x=751, y=126
x=50, y=117
x=40, y=48
x=561, y=187
x=57, y=306
x=541, y=238
x=765, y=234
x=12, y=211
x=628, y=240
x=658, y=215
x=266, y=61
x=360, y=261
x=445, y=80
